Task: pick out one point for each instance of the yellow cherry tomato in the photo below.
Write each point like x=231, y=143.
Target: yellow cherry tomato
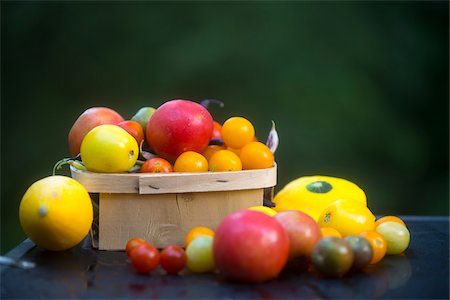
x=224, y=160
x=348, y=217
x=237, y=132
x=190, y=161
x=109, y=149
x=256, y=155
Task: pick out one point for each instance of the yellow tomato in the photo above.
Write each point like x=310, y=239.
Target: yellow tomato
x=311, y=194
x=109, y=149
x=348, y=217
x=237, y=132
x=256, y=155
x=56, y=213
x=264, y=209
x=224, y=160
x=190, y=161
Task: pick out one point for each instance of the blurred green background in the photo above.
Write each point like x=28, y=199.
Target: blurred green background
x=358, y=90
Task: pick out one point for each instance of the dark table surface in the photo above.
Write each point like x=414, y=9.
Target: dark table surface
x=82, y=272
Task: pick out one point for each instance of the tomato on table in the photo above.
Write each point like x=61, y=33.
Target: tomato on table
x=173, y=259
x=133, y=243
x=396, y=235
x=144, y=258
x=200, y=255
x=389, y=219
x=197, y=231
x=378, y=244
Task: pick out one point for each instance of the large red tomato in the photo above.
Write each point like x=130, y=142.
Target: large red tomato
x=178, y=126
x=250, y=246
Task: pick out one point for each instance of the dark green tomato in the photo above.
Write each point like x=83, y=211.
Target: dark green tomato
x=362, y=251
x=332, y=256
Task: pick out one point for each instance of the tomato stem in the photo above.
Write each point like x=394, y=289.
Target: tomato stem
x=68, y=161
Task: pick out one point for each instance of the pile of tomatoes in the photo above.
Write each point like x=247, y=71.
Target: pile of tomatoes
x=234, y=147
x=196, y=254
x=323, y=250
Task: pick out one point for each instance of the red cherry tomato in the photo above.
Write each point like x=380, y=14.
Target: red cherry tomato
x=217, y=130
x=145, y=258
x=156, y=165
x=133, y=243
x=173, y=259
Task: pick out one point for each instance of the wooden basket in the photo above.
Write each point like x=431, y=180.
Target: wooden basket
x=162, y=208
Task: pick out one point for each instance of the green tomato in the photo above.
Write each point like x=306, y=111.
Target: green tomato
x=332, y=256
x=362, y=251
x=199, y=254
x=396, y=235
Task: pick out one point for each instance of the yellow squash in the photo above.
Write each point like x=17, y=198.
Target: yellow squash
x=311, y=194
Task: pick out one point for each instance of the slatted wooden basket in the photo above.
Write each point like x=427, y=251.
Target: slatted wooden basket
x=162, y=208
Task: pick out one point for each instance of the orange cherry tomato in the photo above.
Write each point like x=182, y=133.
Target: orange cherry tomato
x=191, y=161
x=210, y=150
x=156, y=165
x=389, y=219
x=256, y=155
x=197, y=231
x=225, y=160
x=330, y=231
x=237, y=132
x=378, y=243
x=235, y=151
x=133, y=128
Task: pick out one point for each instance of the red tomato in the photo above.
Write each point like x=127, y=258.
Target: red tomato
x=173, y=259
x=217, y=130
x=156, y=165
x=133, y=128
x=145, y=258
x=250, y=246
x=303, y=231
x=133, y=243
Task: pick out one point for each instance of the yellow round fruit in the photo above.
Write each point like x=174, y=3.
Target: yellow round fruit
x=348, y=217
x=237, y=132
x=311, y=194
x=190, y=161
x=264, y=209
x=56, y=213
x=224, y=160
x=109, y=149
x=256, y=155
